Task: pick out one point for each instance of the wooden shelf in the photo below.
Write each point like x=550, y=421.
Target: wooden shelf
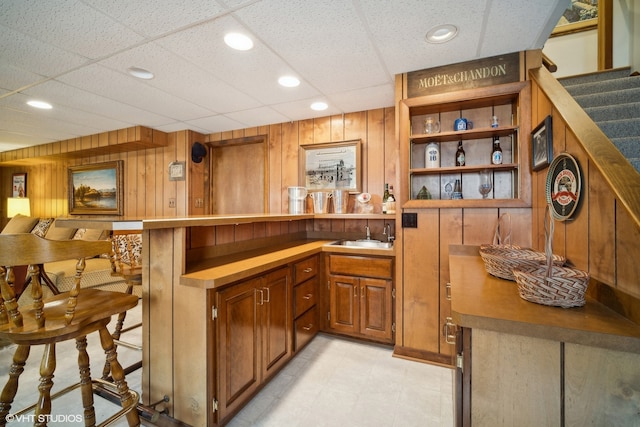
x=462, y=169
x=486, y=132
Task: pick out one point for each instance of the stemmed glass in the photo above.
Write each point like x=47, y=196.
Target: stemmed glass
x=485, y=183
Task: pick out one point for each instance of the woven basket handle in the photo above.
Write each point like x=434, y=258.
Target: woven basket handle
x=548, y=239
x=498, y=236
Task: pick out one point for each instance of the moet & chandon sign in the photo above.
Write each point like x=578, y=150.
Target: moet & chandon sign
x=465, y=75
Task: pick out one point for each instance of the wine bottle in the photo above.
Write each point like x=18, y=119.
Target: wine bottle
x=385, y=198
x=496, y=155
x=391, y=202
x=460, y=155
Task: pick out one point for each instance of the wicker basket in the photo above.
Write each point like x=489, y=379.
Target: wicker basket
x=501, y=258
x=549, y=284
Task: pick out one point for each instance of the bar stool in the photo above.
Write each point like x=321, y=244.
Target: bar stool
x=125, y=259
x=66, y=316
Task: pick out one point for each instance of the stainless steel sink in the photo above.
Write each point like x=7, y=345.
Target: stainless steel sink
x=365, y=243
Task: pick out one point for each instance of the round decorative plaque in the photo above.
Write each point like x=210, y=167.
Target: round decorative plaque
x=564, y=183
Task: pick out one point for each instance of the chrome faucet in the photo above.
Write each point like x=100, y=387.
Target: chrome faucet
x=387, y=232
x=366, y=228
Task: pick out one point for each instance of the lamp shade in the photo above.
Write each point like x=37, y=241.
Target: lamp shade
x=18, y=205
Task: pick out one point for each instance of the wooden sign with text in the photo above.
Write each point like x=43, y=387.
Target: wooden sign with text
x=465, y=75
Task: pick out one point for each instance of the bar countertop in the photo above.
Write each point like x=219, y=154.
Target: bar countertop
x=149, y=223
x=479, y=300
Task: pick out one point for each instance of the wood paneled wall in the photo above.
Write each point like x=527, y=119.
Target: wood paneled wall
x=148, y=191
x=375, y=128
x=601, y=238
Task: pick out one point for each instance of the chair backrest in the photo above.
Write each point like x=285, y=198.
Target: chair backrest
x=34, y=251
x=126, y=255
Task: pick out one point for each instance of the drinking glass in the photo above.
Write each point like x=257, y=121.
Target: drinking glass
x=485, y=183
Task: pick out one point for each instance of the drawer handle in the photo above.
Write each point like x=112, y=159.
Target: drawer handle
x=308, y=328
x=308, y=270
x=307, y=296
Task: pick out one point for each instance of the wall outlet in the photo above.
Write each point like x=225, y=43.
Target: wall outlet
x=199, y=202
x=172, y=202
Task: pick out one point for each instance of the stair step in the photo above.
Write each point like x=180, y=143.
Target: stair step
x=620, y=128
x=604, y=86
x=628, y=146
x=597, y=76
x=614, y=112
x=635, y=163
x=608, y=98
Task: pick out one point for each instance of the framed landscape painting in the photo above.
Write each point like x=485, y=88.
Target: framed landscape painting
x=96, y=189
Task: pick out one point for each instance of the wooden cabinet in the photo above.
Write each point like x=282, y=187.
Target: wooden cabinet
x=361, y=297
x=424, y=318
x=305, y=299
x=253, y=336
x=479, y=106
x=516, y=375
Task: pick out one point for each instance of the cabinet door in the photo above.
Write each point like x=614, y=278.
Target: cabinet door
x=344, y=304
x=376, y=308
x=239, y=345
x=275, y=305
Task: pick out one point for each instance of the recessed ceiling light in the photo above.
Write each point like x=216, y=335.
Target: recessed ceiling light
x=289, y=81
x=238, y=41
x=319, y=106
x=442, y=33
x=140, y=73
x=40, y=104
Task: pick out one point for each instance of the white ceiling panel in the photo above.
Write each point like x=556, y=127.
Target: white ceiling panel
x=175, y=14
x=82, y=100
x=68, y=24
x=34, y=56
x=258, y=117
x=131, y=91
x=75, y=55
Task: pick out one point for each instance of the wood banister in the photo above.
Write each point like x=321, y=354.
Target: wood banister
x=549, y=64
x=621, y=177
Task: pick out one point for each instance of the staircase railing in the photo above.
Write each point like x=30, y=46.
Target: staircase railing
x=621, y=176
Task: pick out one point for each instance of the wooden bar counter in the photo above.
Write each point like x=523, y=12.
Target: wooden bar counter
x=582, y=365
x=197, y=267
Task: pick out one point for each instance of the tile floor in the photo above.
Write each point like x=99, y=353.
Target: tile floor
x=332, y=382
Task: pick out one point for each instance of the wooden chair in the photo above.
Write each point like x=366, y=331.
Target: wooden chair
x=126, y=263
x=66, y=316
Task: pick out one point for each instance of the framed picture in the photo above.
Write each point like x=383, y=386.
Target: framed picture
x=96, y=189
x=581, y=16
x=542, y=145
x=330, y=166
x=19, y=185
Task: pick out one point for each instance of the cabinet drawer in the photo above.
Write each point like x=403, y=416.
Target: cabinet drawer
x=306, y=327
x=305, y=296
x=305, y=269
x=361, y=266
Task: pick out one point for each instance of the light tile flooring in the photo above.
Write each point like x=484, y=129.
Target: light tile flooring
x=331, y=382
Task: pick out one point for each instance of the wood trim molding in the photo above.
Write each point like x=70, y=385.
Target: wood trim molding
x=118, y=141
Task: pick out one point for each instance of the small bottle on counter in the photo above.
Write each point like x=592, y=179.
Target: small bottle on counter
x=385, y=199
x=496, y=155
x=391, y=202
x=460, y=155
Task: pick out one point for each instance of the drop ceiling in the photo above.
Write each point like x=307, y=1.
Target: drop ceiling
x=75, y=54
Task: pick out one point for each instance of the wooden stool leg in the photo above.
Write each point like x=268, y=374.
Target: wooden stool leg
x=11, y=388
x=116, y=333
x=86, y=387
x=116, y=336
x=118, y=376
x=47, y=367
